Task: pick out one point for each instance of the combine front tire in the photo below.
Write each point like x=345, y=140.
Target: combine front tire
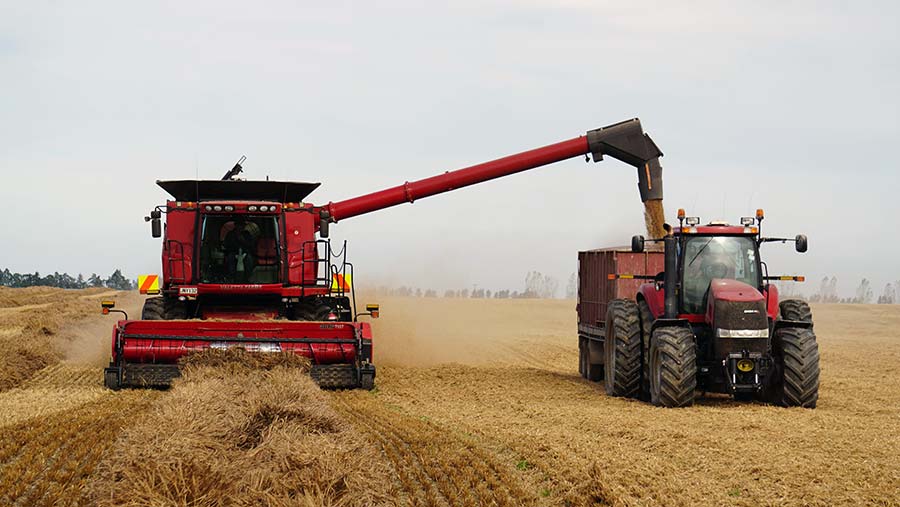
x=112, y=378
x=796, y=382
x=796, y=310
x=622, y=347
x=154, y=309
x=161, y=308
x=673, y=367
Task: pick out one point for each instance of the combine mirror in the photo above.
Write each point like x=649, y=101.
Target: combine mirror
x=800, y=243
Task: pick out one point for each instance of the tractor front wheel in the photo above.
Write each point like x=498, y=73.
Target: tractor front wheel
x=673, y=367
x=796, y=375
x=622, y=348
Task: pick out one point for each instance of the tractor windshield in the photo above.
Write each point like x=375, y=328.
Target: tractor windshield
x=239, y=249
x=708, y=257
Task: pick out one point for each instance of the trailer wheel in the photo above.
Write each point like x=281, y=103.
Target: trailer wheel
x=673, y=367
x=592, y=371
x=646, y=326
x=582, y=369
x=796, y=310
x=796, y=375
x=622, y=348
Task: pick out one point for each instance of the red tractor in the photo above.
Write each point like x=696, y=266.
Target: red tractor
x=709, y=320
x=248, y=264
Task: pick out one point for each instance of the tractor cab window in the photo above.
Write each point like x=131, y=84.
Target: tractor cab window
x=239, y=249
x=708, y=257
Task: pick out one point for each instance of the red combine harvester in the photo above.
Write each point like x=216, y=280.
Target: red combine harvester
x=248, y=264
x=709, y=319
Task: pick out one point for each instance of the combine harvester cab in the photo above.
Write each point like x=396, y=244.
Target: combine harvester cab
x=248, y=264
x=707, y=320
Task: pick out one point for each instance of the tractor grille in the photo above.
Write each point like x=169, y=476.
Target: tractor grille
x=740, y=315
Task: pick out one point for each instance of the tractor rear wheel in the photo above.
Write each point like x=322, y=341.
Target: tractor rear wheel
x=796, y=310
x=796, y=375
x=622, y=348
x=646, y=325
x=673, y=367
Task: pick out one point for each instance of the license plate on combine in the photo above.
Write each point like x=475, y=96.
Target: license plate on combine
x=249, y=347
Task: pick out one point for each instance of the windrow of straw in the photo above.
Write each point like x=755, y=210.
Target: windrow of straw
x=243, y=429
x=31, y=324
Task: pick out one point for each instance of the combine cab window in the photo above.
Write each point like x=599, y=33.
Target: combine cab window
x=239, y=249
x=706, y=258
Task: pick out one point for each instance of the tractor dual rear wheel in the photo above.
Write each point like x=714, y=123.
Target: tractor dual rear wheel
x=673, y=367
x=796, y=310
x=622, y=348
x=796, y=379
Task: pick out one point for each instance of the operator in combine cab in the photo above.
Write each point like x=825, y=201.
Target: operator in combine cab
x=238, y=245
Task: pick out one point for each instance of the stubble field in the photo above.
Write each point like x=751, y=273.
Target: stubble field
x=478, y=402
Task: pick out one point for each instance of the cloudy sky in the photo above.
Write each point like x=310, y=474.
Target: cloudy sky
x=788, y=106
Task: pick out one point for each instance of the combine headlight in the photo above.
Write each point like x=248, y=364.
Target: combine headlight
x=692, y=221
x=251, y=208
x=229, y=208
x=217, y=208
x=747, y=221
x=742, y=333
x=745, y=365
x=263, y=208
x=208, y=208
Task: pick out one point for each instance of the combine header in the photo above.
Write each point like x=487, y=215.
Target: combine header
x=248, y=264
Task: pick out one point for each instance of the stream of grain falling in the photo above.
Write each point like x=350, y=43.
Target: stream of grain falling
x=654, y=218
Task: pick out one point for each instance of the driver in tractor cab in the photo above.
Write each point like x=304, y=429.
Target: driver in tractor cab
x=700, y=272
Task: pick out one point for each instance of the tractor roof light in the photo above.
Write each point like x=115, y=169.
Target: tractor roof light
x=692, y=221
x=747, y=221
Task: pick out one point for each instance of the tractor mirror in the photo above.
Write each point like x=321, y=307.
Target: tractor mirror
x=800, y=243
x=637, y=244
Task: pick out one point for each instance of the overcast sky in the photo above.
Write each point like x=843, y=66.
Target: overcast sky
x=788, y=106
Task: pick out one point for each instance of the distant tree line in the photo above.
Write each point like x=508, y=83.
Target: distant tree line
x=864, y=294
x=537, y=285
x=116, y=280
